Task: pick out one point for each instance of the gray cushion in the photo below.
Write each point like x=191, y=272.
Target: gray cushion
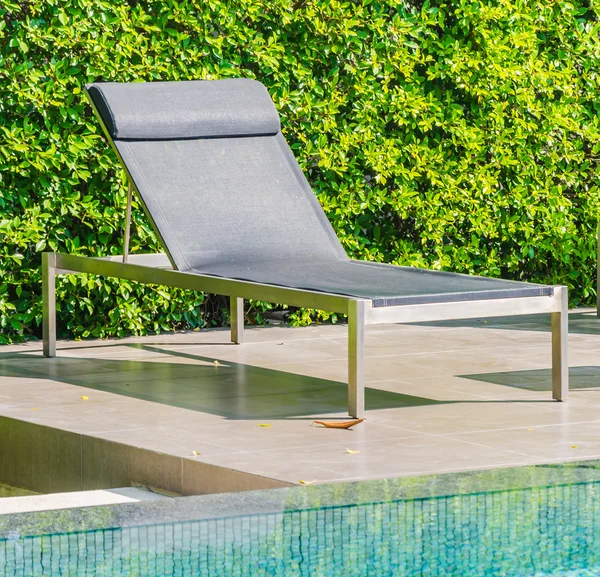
x=190, y=109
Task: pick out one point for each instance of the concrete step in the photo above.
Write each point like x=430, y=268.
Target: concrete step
x=76, y=499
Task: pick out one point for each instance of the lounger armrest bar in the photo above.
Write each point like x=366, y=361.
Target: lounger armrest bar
x=463, y=309
x=157, y=269
x=130, y=190
x=153, y=260
x=66, y=263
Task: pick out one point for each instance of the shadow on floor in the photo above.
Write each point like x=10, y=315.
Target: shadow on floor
x=231, y=390
x=583, y=323
x=541, y=379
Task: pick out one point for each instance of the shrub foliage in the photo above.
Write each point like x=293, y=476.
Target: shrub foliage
x=458, y=135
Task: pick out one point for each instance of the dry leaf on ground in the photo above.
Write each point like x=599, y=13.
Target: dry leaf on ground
x=338, y=424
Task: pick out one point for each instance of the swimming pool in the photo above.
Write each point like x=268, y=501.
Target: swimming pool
x=531, y=521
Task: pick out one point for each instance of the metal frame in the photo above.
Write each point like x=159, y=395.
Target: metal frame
x=161, y=269
x=130, y=189
x=127, y=223
x=157, y=269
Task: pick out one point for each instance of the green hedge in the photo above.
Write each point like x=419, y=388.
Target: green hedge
x=460, y=136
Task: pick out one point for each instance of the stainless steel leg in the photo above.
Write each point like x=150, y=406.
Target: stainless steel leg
x=127, y=224
x=560, y=360
x=49, y=303
x=237, y=320
x=356, y=342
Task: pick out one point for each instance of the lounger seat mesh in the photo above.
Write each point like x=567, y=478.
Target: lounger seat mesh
x=228, y=198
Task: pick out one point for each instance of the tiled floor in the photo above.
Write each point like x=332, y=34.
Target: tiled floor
x=442, y=397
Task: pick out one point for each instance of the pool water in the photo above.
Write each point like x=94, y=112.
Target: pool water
x=535, y=531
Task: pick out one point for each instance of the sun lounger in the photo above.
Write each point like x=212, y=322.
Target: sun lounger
x=237, y=217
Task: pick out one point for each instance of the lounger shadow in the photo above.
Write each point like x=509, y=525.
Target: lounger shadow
x=237, y=217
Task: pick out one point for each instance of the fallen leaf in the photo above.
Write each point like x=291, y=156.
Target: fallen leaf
x=195, y=453
x=530, y=429
x=279, y=344
x=84, y=398
x=338, y=424
x=351, y=452
x=216, y=363
x=573, y=446
x=307, y=482
x=34, y=409
x=265, y=425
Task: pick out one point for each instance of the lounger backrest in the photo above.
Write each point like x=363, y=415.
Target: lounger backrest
x=214, y=172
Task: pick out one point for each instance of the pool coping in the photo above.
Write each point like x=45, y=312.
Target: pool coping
x=278, y=501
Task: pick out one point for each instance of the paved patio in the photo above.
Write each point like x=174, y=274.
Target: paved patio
x=442, y=397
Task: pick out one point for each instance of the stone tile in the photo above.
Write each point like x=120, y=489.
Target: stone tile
x=452, y=418
x=285, y=468
x=470, y=388
x=170, y=440
x=39, y=458
x=250, y=436
x=569, y=441
x=91, y=418
x=203, y=478
x=40, y=393
x=396, y=457
x=105, y=464
x=65, y=367
x=445, y=389
x=440, y=396
x=533, y=380
x=433, y=365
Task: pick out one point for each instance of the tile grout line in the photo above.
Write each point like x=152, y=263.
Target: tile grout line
x=477, y=431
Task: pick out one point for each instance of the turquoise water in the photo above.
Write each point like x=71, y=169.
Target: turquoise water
x=549, y=531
